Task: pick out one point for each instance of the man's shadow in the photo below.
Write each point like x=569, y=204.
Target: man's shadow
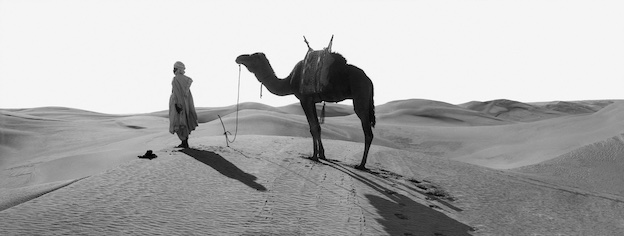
x=224, y=167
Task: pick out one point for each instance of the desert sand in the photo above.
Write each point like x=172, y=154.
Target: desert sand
x=480, y=168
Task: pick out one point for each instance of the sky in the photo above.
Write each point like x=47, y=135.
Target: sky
x=114, y=56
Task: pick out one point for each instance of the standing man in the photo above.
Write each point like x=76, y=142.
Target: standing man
x=182, y=115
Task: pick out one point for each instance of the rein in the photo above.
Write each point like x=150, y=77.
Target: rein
x=225, y=132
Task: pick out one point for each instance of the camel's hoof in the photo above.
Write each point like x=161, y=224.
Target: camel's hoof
x=360, y=167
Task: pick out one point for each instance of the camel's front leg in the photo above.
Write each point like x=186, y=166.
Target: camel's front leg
x=319, y=143
x=321, y=150
x=309, y=108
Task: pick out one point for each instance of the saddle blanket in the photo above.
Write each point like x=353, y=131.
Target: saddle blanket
x=314, y=78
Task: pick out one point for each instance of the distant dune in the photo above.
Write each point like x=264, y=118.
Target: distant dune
x=497, y=167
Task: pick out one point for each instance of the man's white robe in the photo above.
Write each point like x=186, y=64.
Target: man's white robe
x=184, y=122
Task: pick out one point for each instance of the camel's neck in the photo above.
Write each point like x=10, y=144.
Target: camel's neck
x=277, y=86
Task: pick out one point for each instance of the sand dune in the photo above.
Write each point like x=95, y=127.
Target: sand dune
x=522, y=144
x=483, y=168
x=425, y=112
x=597, y=167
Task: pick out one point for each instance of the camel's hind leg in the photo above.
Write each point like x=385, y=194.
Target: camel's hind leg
x=362, y=111
x=368, y=139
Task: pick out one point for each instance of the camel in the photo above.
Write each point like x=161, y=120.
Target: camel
x=345, y=81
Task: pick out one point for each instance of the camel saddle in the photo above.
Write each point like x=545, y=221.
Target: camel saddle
x=314, y=78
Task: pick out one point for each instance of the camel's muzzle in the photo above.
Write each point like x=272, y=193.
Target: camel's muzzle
x=239, y=59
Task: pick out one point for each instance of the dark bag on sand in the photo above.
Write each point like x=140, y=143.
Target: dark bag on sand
x=148, y=155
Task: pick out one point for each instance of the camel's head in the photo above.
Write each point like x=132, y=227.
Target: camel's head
x=253, y=62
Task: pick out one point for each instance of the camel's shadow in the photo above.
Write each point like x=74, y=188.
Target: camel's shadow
x=402, y=215
x=224, y=167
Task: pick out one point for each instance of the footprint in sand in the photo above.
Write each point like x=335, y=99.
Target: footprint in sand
x=400, y=216
x=434, y=206
x=390, y=192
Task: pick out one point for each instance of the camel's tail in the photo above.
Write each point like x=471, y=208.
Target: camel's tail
x=372, y=106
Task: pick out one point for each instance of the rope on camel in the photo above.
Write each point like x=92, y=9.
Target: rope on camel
x=225, y=132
